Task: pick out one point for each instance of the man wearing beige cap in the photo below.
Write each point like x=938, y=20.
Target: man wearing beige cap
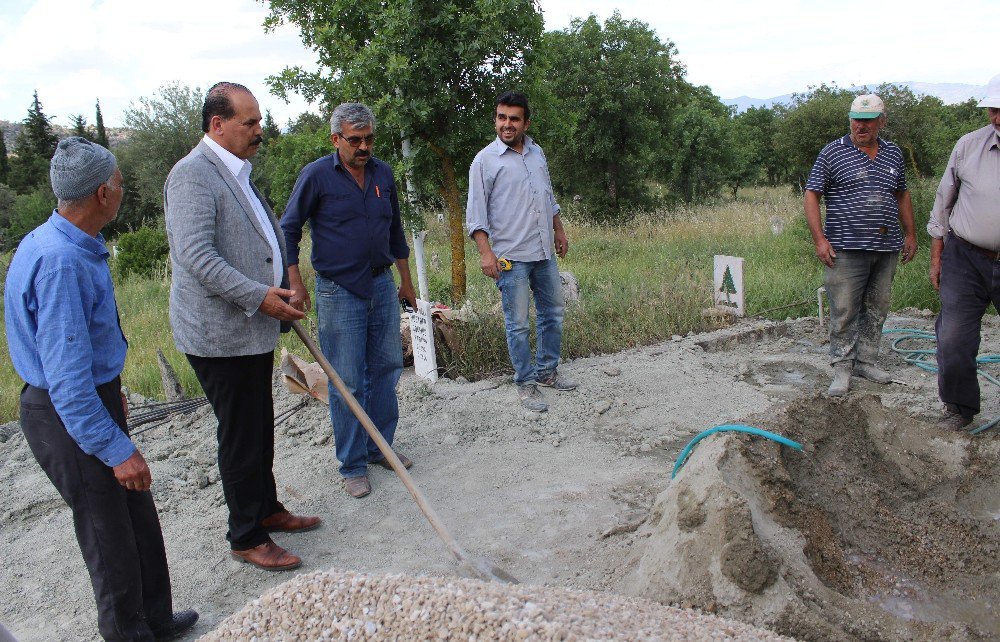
x=66, y=343
x=869, y=221
x=965, y=250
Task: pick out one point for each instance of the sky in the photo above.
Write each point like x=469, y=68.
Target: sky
x=76, y=51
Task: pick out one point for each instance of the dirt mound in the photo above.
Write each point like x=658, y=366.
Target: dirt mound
x=884, y=528
x=343, y=605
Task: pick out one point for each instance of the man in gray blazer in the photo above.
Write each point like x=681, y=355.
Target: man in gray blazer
x=227, y=302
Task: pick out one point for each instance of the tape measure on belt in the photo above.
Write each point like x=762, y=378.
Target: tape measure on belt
x=504, y=264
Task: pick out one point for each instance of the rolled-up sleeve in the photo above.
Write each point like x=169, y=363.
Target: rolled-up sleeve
x=944, y=201
x=475, y=209
x=66, y=355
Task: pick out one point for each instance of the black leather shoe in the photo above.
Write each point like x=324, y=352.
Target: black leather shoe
x=178, y=626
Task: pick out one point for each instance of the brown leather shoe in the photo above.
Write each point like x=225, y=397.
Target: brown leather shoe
x=403, y=459
x=285, y=522
x=269, y=557
x=357, y=486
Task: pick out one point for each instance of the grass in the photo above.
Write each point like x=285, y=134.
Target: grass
x=639, y=283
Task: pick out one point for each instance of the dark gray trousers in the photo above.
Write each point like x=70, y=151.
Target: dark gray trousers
x=970, y=281
x=117, y=529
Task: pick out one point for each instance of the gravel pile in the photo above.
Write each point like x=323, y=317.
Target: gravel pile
x=343, y=605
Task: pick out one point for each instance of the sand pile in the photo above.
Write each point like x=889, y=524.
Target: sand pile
x=886, y=528
x=343, y=605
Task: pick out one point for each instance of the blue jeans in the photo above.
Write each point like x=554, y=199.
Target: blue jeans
x=516, y=286
x=360, y=338
x=970, y=281
x=859, y=289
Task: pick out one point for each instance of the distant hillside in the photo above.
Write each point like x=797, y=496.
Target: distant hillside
x=116, y=135
x=950, y=93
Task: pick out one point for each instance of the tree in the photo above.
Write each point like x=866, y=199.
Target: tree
x=429, y=70
x=101, y=136
x=698, y=152
x=4, y=162
x=806, y=125
x=27, y=212
x=164, y=128
x=277, y=165
x=33, y=149
x=613, y=89
x=80, y=127
x=271, y=131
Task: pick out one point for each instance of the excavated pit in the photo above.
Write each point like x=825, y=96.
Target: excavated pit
x=885, y=528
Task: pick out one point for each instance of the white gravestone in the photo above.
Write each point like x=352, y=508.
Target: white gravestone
x=422, y=340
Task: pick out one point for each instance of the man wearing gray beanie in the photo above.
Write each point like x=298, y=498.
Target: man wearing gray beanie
x=66, y=343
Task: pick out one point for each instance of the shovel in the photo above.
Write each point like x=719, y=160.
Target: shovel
x=480, y=567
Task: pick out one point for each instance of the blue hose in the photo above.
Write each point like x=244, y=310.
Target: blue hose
x=731, y=428
x=927, y=360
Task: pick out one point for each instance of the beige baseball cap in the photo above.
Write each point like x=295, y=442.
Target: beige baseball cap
x=866, y=106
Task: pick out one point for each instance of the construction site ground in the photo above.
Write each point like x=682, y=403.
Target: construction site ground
x=884, y=528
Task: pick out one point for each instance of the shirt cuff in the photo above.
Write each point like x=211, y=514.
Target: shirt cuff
x=118, y=450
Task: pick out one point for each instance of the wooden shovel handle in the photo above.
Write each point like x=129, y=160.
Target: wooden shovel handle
x=382, y=444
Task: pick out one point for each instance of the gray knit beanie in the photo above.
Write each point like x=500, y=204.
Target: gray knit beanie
x=79, y=167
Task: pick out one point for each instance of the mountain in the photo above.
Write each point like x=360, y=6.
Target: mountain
x=949, y=92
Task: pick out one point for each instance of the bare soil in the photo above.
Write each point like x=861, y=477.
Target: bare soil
x=887, y=528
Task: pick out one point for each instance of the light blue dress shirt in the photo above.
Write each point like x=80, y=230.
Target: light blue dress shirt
x=511, y=199
x=63, y=332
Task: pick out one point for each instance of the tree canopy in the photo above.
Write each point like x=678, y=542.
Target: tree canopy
x=429, y=70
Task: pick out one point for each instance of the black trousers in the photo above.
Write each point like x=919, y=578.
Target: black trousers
x=117, y=529
x=239, y=389
x=970, y=281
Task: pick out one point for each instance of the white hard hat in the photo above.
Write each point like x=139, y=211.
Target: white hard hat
x=992, y=97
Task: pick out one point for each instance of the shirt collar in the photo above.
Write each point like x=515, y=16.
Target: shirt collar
x=78, y=237
x=235, y=164
x=847, y=142
x=501, y=147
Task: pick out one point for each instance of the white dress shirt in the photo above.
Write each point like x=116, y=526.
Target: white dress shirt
x=240, y=169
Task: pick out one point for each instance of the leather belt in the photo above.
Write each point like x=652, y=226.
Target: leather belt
x=380, y=270
x=994, y=256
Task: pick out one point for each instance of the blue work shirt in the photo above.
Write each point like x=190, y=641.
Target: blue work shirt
x=511, y=199
x=63, y=332
x=353, y=230
x=862, y=212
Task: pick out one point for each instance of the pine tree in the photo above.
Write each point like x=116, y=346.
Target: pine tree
x=102, y=136
x=80, y=127
x=271, y=131
x=4, y=163
x=33, y=148
x=728, y=286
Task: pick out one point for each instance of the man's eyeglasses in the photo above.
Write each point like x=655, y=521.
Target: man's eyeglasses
x=355, y=141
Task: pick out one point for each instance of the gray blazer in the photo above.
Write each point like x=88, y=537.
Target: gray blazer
x=220, y=259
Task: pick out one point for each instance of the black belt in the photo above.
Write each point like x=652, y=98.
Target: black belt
x=376, y=272
x=994, y=256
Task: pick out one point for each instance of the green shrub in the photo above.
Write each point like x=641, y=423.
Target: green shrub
x=141, y=253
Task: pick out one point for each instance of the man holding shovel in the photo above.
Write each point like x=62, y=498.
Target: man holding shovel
x=351, y=203
x=227, y=292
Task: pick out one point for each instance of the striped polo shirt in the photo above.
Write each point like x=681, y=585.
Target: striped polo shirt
x=861, y=208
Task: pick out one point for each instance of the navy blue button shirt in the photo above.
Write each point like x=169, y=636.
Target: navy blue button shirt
x=63, y=332
x=862, y=210
x=353, y=229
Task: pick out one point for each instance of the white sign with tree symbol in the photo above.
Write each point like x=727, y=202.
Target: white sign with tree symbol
x=728, y=291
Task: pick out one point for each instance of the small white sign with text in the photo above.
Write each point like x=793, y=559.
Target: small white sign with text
x=422, y=339
x=728, y=290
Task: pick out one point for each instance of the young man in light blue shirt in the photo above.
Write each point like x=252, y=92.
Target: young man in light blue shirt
x=513, y=217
